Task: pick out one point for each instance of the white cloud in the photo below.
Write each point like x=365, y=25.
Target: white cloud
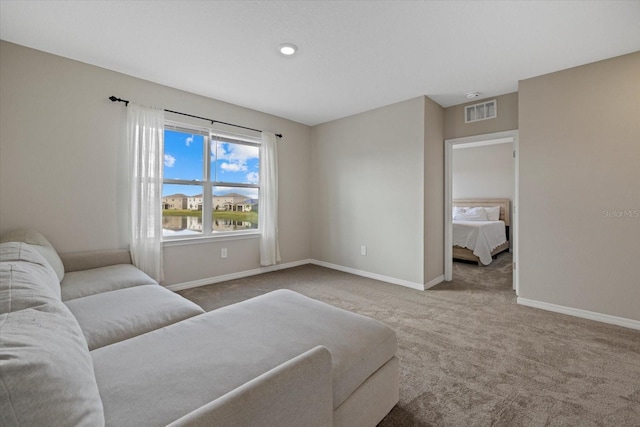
x=169, y=160
x=233, y=167
x=251, y=192
x=189, y=140
x=253, y=177
x=234, y=156
x=234, y=153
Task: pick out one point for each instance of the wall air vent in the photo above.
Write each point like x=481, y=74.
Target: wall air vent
x=482, y=111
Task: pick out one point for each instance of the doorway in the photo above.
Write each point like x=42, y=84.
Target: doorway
x=477, y=141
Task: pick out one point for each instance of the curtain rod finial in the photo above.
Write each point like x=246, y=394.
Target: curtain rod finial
x=115, y=99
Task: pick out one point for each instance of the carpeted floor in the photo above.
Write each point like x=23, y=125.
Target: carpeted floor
x=469, y=356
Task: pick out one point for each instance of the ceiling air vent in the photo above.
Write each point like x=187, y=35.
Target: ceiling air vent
x=482, y=111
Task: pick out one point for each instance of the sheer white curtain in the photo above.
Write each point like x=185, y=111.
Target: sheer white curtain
x=145, y=135
x=268, y=201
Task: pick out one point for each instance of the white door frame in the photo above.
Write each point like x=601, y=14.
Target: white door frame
x=476, y=141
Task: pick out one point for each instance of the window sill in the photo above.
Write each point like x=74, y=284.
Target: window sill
x=222, y=237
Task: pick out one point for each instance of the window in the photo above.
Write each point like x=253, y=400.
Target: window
x=211, y=182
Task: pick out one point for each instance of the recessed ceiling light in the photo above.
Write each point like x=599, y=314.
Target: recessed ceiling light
x=472, y=95
x=288, y=49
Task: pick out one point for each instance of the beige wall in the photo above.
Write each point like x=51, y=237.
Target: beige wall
x=455, y=127
x=579, y=176
x=367, y=174
x=377, y=180
x=485, y=171
x=433, y=192
x=60, y=146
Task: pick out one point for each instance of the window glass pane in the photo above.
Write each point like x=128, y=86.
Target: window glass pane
x=491, y=109
x=181, y=210
x=471, y=113
x=235, y=208
x=234, y=163
x=183, y=155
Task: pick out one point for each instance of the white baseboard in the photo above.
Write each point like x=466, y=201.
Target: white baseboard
x=369, y=275
x=261, y=270
x=233, y=276
x=430, y=284
x=585, y=314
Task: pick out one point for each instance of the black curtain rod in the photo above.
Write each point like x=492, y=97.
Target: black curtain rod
x=115, y=99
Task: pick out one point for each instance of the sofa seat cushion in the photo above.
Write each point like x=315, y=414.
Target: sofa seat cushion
x=155, y=378
x=26, y=278
x=117, y=315
x=46, y=372
x=77, y=284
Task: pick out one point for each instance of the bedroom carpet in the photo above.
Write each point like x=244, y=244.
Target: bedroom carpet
x=469, y=356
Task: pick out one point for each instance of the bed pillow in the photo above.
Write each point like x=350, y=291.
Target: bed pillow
x=457, y=210
x=472, y=214
x=493, y=213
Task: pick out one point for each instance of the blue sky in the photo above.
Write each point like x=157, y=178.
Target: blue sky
x=234, y=163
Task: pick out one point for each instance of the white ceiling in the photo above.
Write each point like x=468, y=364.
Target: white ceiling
x=353, y=56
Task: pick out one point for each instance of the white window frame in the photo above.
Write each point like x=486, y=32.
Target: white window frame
x=207, y=185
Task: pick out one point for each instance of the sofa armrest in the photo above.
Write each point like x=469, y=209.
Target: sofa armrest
x=295, y=393
x=76, y=261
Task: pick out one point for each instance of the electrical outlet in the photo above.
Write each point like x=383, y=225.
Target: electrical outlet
x=363, y=250
x=223, y=253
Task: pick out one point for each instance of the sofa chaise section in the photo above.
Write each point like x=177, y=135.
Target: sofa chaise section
x=199, y=360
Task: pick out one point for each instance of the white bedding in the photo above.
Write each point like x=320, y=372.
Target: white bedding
x=480, y=236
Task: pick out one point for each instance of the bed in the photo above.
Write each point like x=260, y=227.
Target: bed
x=478, y=240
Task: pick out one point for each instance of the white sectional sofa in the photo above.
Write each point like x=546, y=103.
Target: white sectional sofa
x=89, y=340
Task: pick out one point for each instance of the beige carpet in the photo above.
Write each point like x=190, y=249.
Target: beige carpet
x=469, y=356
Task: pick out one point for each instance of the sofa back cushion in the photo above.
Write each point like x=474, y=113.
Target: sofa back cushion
x=27, y=279
x=46, y=371
x=39, y=243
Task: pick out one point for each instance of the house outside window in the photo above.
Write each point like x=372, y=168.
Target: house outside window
x=211, y=183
